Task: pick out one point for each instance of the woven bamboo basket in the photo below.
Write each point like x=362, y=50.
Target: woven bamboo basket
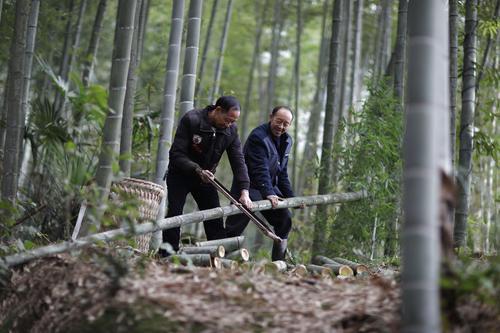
x=148, y=195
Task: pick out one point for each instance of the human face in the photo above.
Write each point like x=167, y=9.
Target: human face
x=280, y=122
x=223, y=120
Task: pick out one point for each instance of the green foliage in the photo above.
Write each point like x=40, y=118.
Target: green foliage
x=473, y=278
x=372, y=162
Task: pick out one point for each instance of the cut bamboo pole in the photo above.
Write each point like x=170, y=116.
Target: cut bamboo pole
x=342, y=270
x=172, y=222
x=275, y=266
x=227, y=263
x=321, y=260
x=203, y=260
x=230, y=244
x=240, y=255
x=357, y=268
x=320, y=270
x=213, y=250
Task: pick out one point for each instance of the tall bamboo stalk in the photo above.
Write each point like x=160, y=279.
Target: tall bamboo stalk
x=256, y=52
x=297, y=94
x=427, y=98
x=204, y=53
x=14, y=120
x=466, y=123
x=453, y=21
x=91, y=53
x=168, y=105
x=128, y=104
x=320, y=226
x=400, y=52
x=190, y=56
x=356, y=50
x=220, y=57
x=117, y=87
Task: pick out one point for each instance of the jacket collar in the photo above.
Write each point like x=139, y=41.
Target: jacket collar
x=205, y=125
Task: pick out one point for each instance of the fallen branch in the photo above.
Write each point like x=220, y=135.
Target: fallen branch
x=172, y=222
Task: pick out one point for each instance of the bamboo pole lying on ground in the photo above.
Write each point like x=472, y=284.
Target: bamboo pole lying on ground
x=320, y=270
x=204, y=260
x=240, y=255
x=212, y=250
x=230, y=244
x=172, y=222
x=342, y=270
x=226, y=263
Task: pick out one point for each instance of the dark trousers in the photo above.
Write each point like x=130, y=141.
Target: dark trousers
x=280, y=219
x=206, y=197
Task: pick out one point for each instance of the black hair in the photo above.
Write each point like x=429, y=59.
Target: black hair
x=276, y=108
x=226, y=103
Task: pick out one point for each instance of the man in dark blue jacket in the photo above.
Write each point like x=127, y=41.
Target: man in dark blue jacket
x=200, y=140
x=266, y=155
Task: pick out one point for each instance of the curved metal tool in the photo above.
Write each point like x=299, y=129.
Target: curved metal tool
x=251, y=215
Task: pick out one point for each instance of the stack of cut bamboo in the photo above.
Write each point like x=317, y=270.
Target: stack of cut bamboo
x=220, y=253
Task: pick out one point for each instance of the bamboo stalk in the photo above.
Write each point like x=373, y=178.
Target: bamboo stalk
x=230, y=244
x=240, y=255
x=300, y=270
x=172, y=222
x=324, y=260
x=275, y=266
x=213, y=251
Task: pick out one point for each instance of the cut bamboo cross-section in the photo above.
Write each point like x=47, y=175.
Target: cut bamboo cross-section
x=203, y=260
x=275, y=266
x=230, y=244
x=240, y=255
x=227, y=263
x=357, y=268
x=320, y=270
x=342, y=270
x=213, y=250
x=300, y=270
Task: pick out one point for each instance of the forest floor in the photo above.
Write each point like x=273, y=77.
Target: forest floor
x=96, y=292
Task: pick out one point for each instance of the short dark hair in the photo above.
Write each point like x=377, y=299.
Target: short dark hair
x=227, y=103
x=276, y=108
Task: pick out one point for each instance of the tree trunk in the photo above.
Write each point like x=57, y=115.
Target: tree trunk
x=311, y=144
x=28, y=65
x=297, y=95
x=356, y=52
x=220, y=59
x=345, y=58
x=329, y=129
x=91, y=53
x=466, y=123
x=273, y=66
x=168, y=106
x=117, y=87
x=13, y=119
x=58, y=98
x=191, y=56
x=427, y=98
x=128, y=105
x=400, y=53
x=1, y=6
x=256, y=53
x=141, y=36
x=385, y=37
x=453, y=17
x=208, y=36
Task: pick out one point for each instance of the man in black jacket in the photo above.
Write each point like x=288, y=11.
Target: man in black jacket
x=266, y=155
x=200, y=140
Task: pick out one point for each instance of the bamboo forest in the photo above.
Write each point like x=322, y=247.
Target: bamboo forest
x=249, y=166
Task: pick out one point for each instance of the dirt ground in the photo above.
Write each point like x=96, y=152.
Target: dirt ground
x=96, y=292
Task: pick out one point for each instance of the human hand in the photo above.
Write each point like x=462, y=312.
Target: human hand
x=205, y=175
x=274, y=200
x=245, y=199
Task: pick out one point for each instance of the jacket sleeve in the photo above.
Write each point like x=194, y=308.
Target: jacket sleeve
x=237, y=161
x=179, y=152
x=284, y=182
x=257, y=158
